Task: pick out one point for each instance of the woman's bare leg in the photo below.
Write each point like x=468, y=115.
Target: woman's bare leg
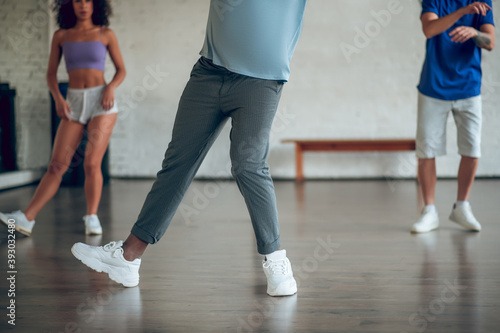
x=99, y=132
x=69, y=134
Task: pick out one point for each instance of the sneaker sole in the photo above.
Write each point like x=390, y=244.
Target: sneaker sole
x=21, y=230
x=413, y=231
x=291, y=292
x=282, y=295
x=465, y=226
x=89, y=233
x=98, y=266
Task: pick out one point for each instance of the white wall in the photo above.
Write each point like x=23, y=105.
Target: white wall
x=371, y=96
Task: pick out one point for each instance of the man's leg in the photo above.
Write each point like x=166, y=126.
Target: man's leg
x=427, y=178
x=133, y=247
x=431, y=142
x=468, y=118
x=253, y=104
x=197, y=125
x=466, y=175
x=198, y=122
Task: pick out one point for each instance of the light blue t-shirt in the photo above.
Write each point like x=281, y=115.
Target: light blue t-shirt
x=255, y=38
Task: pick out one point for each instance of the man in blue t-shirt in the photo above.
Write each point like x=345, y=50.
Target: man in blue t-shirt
x=244, y=62
x=456, y=31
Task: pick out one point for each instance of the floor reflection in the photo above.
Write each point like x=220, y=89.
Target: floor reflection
x=209, y=277
x=270, y=314
x=447, y=286
x=113, y=306
x=464, y=244
x=85, y=302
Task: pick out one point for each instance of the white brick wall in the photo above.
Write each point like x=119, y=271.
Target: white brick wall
x=23, y=63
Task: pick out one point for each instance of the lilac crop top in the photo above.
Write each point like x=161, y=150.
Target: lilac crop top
x=84, y=55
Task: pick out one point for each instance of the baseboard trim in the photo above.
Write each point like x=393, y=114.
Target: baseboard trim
x=13, y=179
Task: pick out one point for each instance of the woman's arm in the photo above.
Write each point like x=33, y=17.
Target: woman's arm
x=432, y=25
x=116, y=57
x=54, y=60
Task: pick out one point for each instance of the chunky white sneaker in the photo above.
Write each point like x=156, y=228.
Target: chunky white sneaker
x=280, y=281
x=92, y=225
x=109, y=259
x=428, y=221
x=462, y=214
x=21, y=223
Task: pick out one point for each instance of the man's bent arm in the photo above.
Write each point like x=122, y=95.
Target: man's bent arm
x=432, y=25
x=485, y=37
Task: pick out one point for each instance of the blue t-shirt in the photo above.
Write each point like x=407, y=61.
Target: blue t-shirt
x=255, y=38
x=452, y=71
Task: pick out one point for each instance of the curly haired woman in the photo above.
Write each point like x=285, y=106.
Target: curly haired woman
x=84, y=39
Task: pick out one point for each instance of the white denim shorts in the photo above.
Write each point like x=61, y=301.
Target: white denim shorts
x=85, y=104
x=431, y=128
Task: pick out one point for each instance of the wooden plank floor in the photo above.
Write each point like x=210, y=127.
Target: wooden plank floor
x=358, y=267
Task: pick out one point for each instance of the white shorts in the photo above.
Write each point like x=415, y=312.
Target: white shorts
x=85, y=104
x=431, y=127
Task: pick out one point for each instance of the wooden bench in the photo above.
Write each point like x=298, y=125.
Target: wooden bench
x=372, y=145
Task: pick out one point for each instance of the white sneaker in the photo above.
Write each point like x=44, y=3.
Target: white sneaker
x=109, y=259
x=92, y=225
x=21, y=223
x=428, y=221
x=280, y=281
x=462, y=214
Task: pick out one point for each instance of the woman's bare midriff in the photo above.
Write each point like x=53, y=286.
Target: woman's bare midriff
x=86, y=78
